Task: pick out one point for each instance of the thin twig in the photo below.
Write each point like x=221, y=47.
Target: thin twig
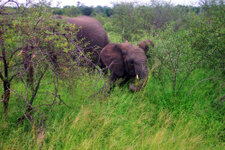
x=211, y=78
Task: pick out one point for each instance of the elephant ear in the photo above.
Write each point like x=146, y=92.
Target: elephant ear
x=145, y=45
x=112, y=57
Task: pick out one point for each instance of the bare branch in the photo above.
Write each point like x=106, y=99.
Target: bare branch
x=1, y=76
x=15, y=51
x=9, y=1
x=2, y=100
x=216, y=78
x=28, y=2
x=13, y=76
x=37, y=87
x=25, y=85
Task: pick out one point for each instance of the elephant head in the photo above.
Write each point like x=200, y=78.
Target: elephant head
x=126, y=60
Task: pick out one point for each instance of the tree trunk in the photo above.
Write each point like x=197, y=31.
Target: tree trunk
x=6, y=96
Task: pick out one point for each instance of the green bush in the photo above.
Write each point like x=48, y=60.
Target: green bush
x=207, y=31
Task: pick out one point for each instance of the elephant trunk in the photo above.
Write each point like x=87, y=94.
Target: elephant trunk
x=142, y=79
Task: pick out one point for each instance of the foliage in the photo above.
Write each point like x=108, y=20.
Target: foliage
x=73, y=11
x=173, y=57
x=32, y=44
x=126, y=20
x=208, y=31
x=87, y=11
x=133, y=19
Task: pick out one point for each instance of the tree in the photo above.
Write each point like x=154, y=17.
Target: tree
x=29, y=42
x=87, y=10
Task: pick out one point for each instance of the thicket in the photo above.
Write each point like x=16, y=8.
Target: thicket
x=36, y=46
x=181, y=107
x=74, y=11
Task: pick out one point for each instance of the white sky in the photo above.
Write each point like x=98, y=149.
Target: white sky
x=108, y=2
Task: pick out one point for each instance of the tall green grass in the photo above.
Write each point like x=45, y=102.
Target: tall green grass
x=149, y=119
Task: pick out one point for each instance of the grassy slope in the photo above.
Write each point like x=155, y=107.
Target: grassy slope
x=150, y=119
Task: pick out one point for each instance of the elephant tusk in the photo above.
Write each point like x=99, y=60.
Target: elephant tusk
x=137, y=76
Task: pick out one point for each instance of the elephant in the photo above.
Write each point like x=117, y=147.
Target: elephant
x=91, y=32
x=127, y=61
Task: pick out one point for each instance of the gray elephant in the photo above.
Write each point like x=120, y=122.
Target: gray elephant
x=126, y=61
x=93, y=33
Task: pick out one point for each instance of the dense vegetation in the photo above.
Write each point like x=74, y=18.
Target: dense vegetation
x=181, y=107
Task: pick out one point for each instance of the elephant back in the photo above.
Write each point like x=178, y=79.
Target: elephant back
x=93, y=33
x=91, y=29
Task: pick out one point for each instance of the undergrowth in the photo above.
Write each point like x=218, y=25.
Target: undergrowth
x=150, y=119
